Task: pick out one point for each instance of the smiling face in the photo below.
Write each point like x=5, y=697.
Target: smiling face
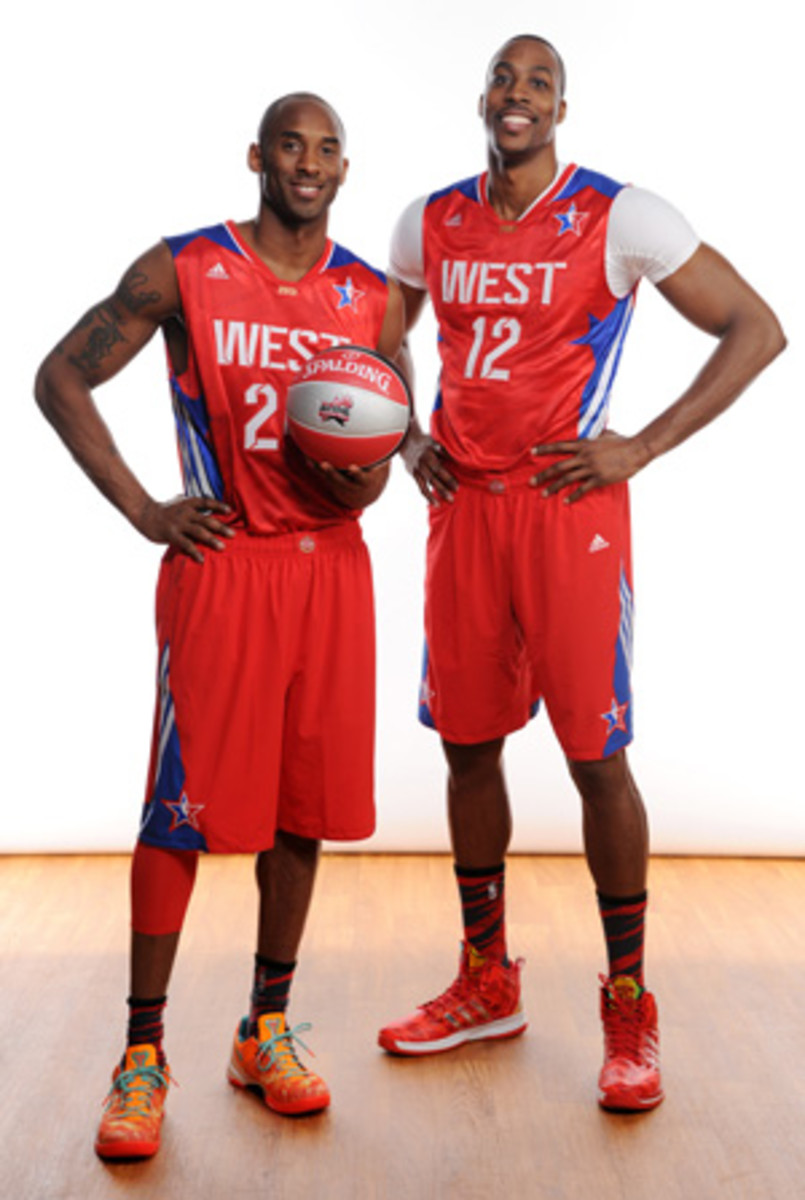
x=523, y=101
x=300, y=159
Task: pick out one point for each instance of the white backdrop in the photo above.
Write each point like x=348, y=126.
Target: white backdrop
x=124, y=127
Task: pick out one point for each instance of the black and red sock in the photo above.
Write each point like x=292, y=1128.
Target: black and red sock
x=624, y=929
x=483, y=909
x=271, y=988
x=146, y=1022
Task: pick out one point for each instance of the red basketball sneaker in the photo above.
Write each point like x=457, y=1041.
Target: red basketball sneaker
x=630, y=1077
x=483, y=1003
x=130, y=1126
x=268, y=1064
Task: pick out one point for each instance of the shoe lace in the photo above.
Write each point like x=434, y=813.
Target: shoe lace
x=454, y=997
x=623, y=1024
x=279, y=1051
x=134, y=1089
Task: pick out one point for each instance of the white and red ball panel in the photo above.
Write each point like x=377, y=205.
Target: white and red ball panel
x=349, y=406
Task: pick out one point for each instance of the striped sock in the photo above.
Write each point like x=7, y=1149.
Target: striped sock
x=483, y=909
x=146, y=1022
x=624, y=929
x=270, y=990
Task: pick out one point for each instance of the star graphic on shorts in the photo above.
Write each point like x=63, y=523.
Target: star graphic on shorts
x=183, y=812
x=571, y=221
x=426, y=693
x=616, y=717
x=348, y=295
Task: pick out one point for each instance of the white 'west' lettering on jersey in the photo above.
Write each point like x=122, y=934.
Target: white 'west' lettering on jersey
x=498, y=283
x=252, y=344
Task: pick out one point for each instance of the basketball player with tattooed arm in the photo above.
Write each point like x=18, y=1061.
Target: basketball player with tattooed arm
x=264, y=602
x=532, y=269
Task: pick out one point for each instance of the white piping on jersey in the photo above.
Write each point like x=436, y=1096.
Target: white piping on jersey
x=561, y=168
x=197, y=481
x=593, y=420
x=328, y=259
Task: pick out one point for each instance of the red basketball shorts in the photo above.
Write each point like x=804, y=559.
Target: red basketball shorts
x=529, y=599
x=265, y=708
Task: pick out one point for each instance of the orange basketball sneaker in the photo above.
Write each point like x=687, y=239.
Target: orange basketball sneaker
x=130, y=1126
x=268, y=1064
x=630, y=1077
x=482, y=1003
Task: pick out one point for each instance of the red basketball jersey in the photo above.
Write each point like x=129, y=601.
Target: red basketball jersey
x=249, y=334
x=530, y=333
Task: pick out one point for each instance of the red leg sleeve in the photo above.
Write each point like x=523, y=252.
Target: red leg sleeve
x=161, y=885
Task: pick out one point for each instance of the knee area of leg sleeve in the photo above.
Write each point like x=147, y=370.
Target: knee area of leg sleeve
x=161, y=885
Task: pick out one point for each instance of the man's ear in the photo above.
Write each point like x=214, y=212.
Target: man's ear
x=255, y=158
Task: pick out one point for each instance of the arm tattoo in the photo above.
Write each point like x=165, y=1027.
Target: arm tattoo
x=104, y=333
x=131, y=291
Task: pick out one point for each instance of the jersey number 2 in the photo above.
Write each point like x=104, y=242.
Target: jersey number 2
x=264, y=394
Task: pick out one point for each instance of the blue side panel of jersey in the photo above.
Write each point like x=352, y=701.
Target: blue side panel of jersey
x=341, y=257
x=467, y=187
x=219, y=234
x=169, y=816
x=583, y=179
x=200, y=470
x=605, y=339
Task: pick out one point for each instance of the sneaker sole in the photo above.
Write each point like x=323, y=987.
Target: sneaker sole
x=506, y=1027
x=126, y=1149
x=298, y=1108
x=629, y=1104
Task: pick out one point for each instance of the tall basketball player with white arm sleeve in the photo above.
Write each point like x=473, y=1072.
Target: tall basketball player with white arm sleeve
x=264, y=729
x=532, y=269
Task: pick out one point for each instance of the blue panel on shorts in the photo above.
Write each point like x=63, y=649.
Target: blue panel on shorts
x=619, y=717
x=170, y=818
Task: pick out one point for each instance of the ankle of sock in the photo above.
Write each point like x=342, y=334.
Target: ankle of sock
x=146, y=1021
x=270, y=989
x=483, y=909
x=623, y=919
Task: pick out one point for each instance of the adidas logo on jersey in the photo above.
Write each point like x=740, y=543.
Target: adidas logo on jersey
x=219, y=271
x=598, y=543
x=454, y=221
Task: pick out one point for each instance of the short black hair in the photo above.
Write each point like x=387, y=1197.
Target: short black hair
x=535, y=37
x=270, y=114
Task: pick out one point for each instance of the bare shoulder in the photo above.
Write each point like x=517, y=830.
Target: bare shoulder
x=150, y=285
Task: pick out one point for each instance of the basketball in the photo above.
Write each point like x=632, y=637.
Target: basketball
x=349, y=407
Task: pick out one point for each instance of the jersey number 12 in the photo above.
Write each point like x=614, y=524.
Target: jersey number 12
x=505, y=333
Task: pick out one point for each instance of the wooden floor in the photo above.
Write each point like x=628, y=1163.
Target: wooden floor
x=517, y=1119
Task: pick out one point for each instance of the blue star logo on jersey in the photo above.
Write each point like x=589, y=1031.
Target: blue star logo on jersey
x=183, y=812
x=571, y=221
x=348, y=295
x=616, y=717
